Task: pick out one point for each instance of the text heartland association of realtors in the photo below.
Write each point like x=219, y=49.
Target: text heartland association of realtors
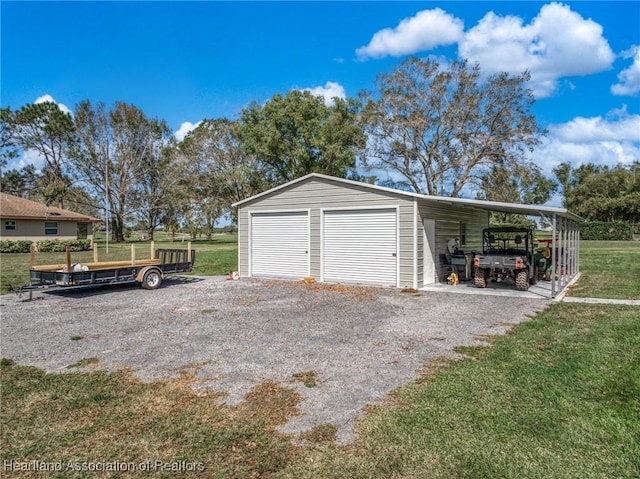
x=106, y=466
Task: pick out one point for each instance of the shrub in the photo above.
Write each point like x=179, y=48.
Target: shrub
x=60, y=246
x=602, y=230
x=17, y=246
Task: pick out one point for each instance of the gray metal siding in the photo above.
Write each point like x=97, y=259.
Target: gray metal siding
x=406, y=232
x=316, y=194
x=419, y=246
x=448, y=219
x=243, y=242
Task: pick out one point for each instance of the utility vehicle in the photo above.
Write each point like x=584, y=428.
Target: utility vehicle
x=507, y=253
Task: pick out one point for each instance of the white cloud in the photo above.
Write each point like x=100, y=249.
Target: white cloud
x=329, y=91
x=554, y=151
x=629, y=77
x=599, y=129
x=28, y=157
x=603, y=141
x=184, y=129
x=48, y=98
x=426, y=30
x=557, y=43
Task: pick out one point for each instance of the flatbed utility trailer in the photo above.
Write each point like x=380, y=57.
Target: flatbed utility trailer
x=148, y=272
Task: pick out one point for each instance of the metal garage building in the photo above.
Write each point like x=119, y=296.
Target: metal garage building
x=338, y=230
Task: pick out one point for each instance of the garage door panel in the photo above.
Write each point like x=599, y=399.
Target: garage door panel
x=360, y=246
x=280, y=244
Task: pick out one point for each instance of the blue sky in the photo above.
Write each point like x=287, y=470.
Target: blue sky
x=185, y=61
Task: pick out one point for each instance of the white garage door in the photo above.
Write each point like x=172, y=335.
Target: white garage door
x=360, y=246
x=280, y=244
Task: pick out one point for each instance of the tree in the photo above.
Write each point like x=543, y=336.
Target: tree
x=217, y=169
x=47, y=130
x=600, y=193
x=298, y=134
x=115, y=150
x=524, y=184
x=155, y=178
x=442, y=128
x=8, y=148
x=23, y=182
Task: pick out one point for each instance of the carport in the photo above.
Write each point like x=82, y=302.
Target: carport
x=565, y=238
x=343, y=231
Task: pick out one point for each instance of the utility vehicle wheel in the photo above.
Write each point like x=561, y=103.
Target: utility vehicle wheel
x=522, y=280
x=479, y=278
x=152, y=279
x=534, y=278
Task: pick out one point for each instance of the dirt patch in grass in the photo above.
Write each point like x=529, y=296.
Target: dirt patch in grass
x=474, y=352
x=433, y=368
x=322, y=433
x=269, y=403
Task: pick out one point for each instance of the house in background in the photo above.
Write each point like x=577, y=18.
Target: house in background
x=22, y=219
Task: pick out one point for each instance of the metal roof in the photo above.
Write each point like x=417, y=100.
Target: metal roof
x=514, y=208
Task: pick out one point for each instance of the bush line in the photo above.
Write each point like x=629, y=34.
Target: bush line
x=44, y=246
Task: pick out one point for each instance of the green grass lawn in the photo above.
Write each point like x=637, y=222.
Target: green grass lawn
x=610, y=269
x=213, y=257
x=558, y=397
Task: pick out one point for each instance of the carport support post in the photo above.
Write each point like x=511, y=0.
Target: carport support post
x=565, y=252
x=553, y=258
x=562, y=247
x=573, y=248
x=577, y=247
x=570, y=252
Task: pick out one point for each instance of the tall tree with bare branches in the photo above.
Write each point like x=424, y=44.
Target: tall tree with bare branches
x=441, y=128
x=116, y=152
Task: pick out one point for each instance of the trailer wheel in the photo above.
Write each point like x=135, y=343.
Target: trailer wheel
x=534, y=278
x=479, y=278
x=152, y=279
x=522, y=280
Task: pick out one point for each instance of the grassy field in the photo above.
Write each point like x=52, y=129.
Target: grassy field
x=610, y=269
x=213, y=257
x=558, y=397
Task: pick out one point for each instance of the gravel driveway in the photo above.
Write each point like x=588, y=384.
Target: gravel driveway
x=360, y=342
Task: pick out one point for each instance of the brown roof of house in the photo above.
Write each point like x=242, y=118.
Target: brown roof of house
x=14, y=207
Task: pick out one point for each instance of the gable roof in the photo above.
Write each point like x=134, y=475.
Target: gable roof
x=513, y=208
x=14, y=207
